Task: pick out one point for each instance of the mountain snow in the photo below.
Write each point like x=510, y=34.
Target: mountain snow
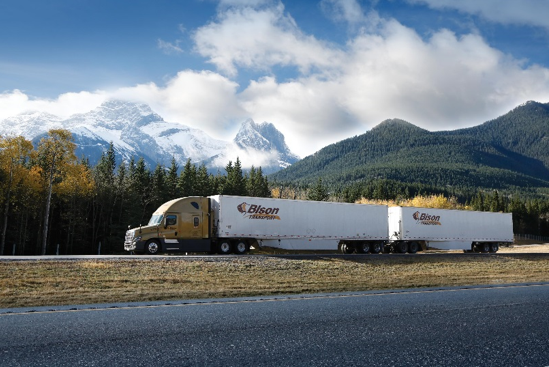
x=135, y=130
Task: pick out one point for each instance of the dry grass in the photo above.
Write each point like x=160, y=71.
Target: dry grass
x=48, y=283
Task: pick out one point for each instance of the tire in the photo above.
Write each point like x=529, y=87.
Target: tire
x=240, y=248
x=413, y=247
x=484, y=247
x=494, y=247
x=152, y=247
x=224, y=248
x=364, y=248
x=347, y=249
x=376, y=247
x=402, y=247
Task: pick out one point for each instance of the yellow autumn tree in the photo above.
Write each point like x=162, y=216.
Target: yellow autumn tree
x=430, y=201
x=55, y=156
x=77, y=184
x=14, y=152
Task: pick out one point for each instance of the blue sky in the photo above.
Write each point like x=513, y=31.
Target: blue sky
x=320, y=70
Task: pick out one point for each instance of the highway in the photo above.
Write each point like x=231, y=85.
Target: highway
x=467, y=326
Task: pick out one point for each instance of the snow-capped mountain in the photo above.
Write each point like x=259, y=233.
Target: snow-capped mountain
x=137, y=131
x=264, y=138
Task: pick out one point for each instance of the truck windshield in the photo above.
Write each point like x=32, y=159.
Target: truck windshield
x=155, y=219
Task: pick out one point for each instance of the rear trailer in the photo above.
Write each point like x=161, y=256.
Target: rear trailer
x=300, y=225
x=412, y=229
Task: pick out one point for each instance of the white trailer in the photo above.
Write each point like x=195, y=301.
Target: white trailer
x=300, y=225
x=412, y=229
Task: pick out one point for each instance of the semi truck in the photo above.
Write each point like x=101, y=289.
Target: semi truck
x=233, y=224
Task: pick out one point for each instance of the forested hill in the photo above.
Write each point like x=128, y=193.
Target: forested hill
x=510, y=152
x=524, y=130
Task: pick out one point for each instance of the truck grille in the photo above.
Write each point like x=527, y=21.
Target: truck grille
x=129, y=237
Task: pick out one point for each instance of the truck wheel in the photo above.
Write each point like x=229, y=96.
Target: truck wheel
x=376, y=247
x=240, y=248
x=402, y=247
x=347, y=249
x=484, y=247
x=152, y=247
x=494, y=247
x=364, y=248
x=224, y=248
x=413, y=247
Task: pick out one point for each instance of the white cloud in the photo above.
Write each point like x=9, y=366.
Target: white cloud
x=307, y=111
x=170, y=47
x=527, y=12
x=201, y=99
x=260, y=39
x=16, y=102
x=343, y=10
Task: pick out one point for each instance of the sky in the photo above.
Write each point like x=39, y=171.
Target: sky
x=320, y=70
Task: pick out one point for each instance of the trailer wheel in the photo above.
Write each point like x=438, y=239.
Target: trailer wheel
x=413, y=247
x=402, y=247
x=494, y=247
x=364, y=248
x=224, y=248
x=240, y=248
x=152, y=247
x=376, y=247
x=484, y=247
x=347, y=249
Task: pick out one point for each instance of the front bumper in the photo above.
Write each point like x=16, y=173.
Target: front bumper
x=132, y=243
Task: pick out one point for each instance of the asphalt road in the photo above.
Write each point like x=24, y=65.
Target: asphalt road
x=483, y=326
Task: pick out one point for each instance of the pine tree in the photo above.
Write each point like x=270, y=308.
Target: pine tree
x=172, y=191
x=204, y=182
x=187, y=180
x=318, y=192
x=235, y=183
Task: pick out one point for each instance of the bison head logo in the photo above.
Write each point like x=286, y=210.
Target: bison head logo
x=242, y=208
x=416, y=215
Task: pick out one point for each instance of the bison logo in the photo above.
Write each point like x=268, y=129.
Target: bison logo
x=242, y=208
x=254, y=211
x=427, y=219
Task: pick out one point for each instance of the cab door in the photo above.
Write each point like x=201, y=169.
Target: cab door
x=171, y=230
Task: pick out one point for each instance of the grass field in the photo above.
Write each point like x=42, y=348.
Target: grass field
x=49, y=283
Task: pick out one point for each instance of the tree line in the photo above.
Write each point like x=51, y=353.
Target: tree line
x=52, y=201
